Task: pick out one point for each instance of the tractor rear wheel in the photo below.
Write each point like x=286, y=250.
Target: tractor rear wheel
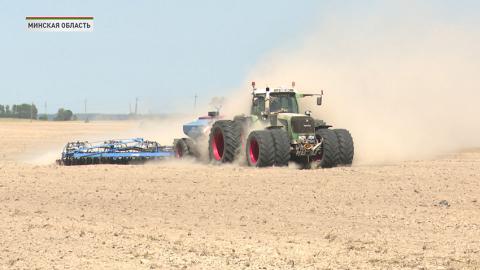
x=345, y=146
x=224, y=141
x=260, y=149
x=329, y=155
x=281, y=143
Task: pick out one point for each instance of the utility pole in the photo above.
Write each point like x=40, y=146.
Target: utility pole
x=195, y=103
x=136, y=106
x=86, y=115
x=31, y=113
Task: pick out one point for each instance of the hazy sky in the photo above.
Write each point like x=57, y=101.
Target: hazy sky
x=160, y=51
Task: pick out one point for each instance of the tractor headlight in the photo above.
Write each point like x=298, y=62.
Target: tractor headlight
x=301, y=139
x=311, y=139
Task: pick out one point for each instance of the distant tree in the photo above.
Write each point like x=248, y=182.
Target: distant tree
x=24, y=110
x=4, y=111
x=63, y=115
x=43, y=117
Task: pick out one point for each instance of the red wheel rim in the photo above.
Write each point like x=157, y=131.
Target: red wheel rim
x=253, y=151
x=217, y=144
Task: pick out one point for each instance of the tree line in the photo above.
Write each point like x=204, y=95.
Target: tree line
x=30, y=111
x=25, y=111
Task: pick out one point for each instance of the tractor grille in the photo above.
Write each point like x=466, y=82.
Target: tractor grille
x=303, y=124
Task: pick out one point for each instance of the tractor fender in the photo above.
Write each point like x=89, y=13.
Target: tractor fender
x=319, y=124
x=274, y=127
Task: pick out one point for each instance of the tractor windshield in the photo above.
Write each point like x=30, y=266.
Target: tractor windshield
x=283, y=102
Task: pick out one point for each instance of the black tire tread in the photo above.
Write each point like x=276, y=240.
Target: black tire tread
x=346, y=146
x=266, y=156
x=330, y=148
x=192, y=147
x=181, y=144
x=281, y=143
x=231, y=139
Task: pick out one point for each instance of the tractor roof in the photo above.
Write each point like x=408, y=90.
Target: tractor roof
x=259, y=91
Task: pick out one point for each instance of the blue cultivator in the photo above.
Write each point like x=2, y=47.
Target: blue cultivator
x=127, y=151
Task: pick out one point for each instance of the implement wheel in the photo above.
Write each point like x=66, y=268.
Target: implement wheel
x=185, y=147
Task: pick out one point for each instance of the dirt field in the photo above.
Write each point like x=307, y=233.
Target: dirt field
x=411, y=215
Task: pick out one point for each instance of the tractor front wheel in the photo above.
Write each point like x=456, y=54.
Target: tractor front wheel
x=329, y=154
x=345, y=146
x=281, y=143
x=260, y=149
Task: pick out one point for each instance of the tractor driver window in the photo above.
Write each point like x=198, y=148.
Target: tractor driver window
x=258, y=105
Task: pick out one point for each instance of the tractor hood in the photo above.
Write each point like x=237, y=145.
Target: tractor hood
x=297, y=123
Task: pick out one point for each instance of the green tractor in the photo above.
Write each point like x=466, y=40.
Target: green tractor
x=276, y=132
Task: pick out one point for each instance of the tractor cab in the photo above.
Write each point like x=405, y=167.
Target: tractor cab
x=267, y=101
x=283, y=102
x=279, y=100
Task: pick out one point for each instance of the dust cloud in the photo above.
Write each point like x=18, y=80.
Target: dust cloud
x=404, y=84
x=162, y=130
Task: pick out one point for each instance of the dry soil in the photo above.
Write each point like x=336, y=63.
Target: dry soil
x=412, y=215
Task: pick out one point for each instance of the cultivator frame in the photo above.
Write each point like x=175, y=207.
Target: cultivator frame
x=125, y=151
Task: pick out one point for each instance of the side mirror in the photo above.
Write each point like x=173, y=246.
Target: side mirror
x=308, y=113
x=319, y=100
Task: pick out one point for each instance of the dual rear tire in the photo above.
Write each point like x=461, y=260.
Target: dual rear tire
x=224, y=141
